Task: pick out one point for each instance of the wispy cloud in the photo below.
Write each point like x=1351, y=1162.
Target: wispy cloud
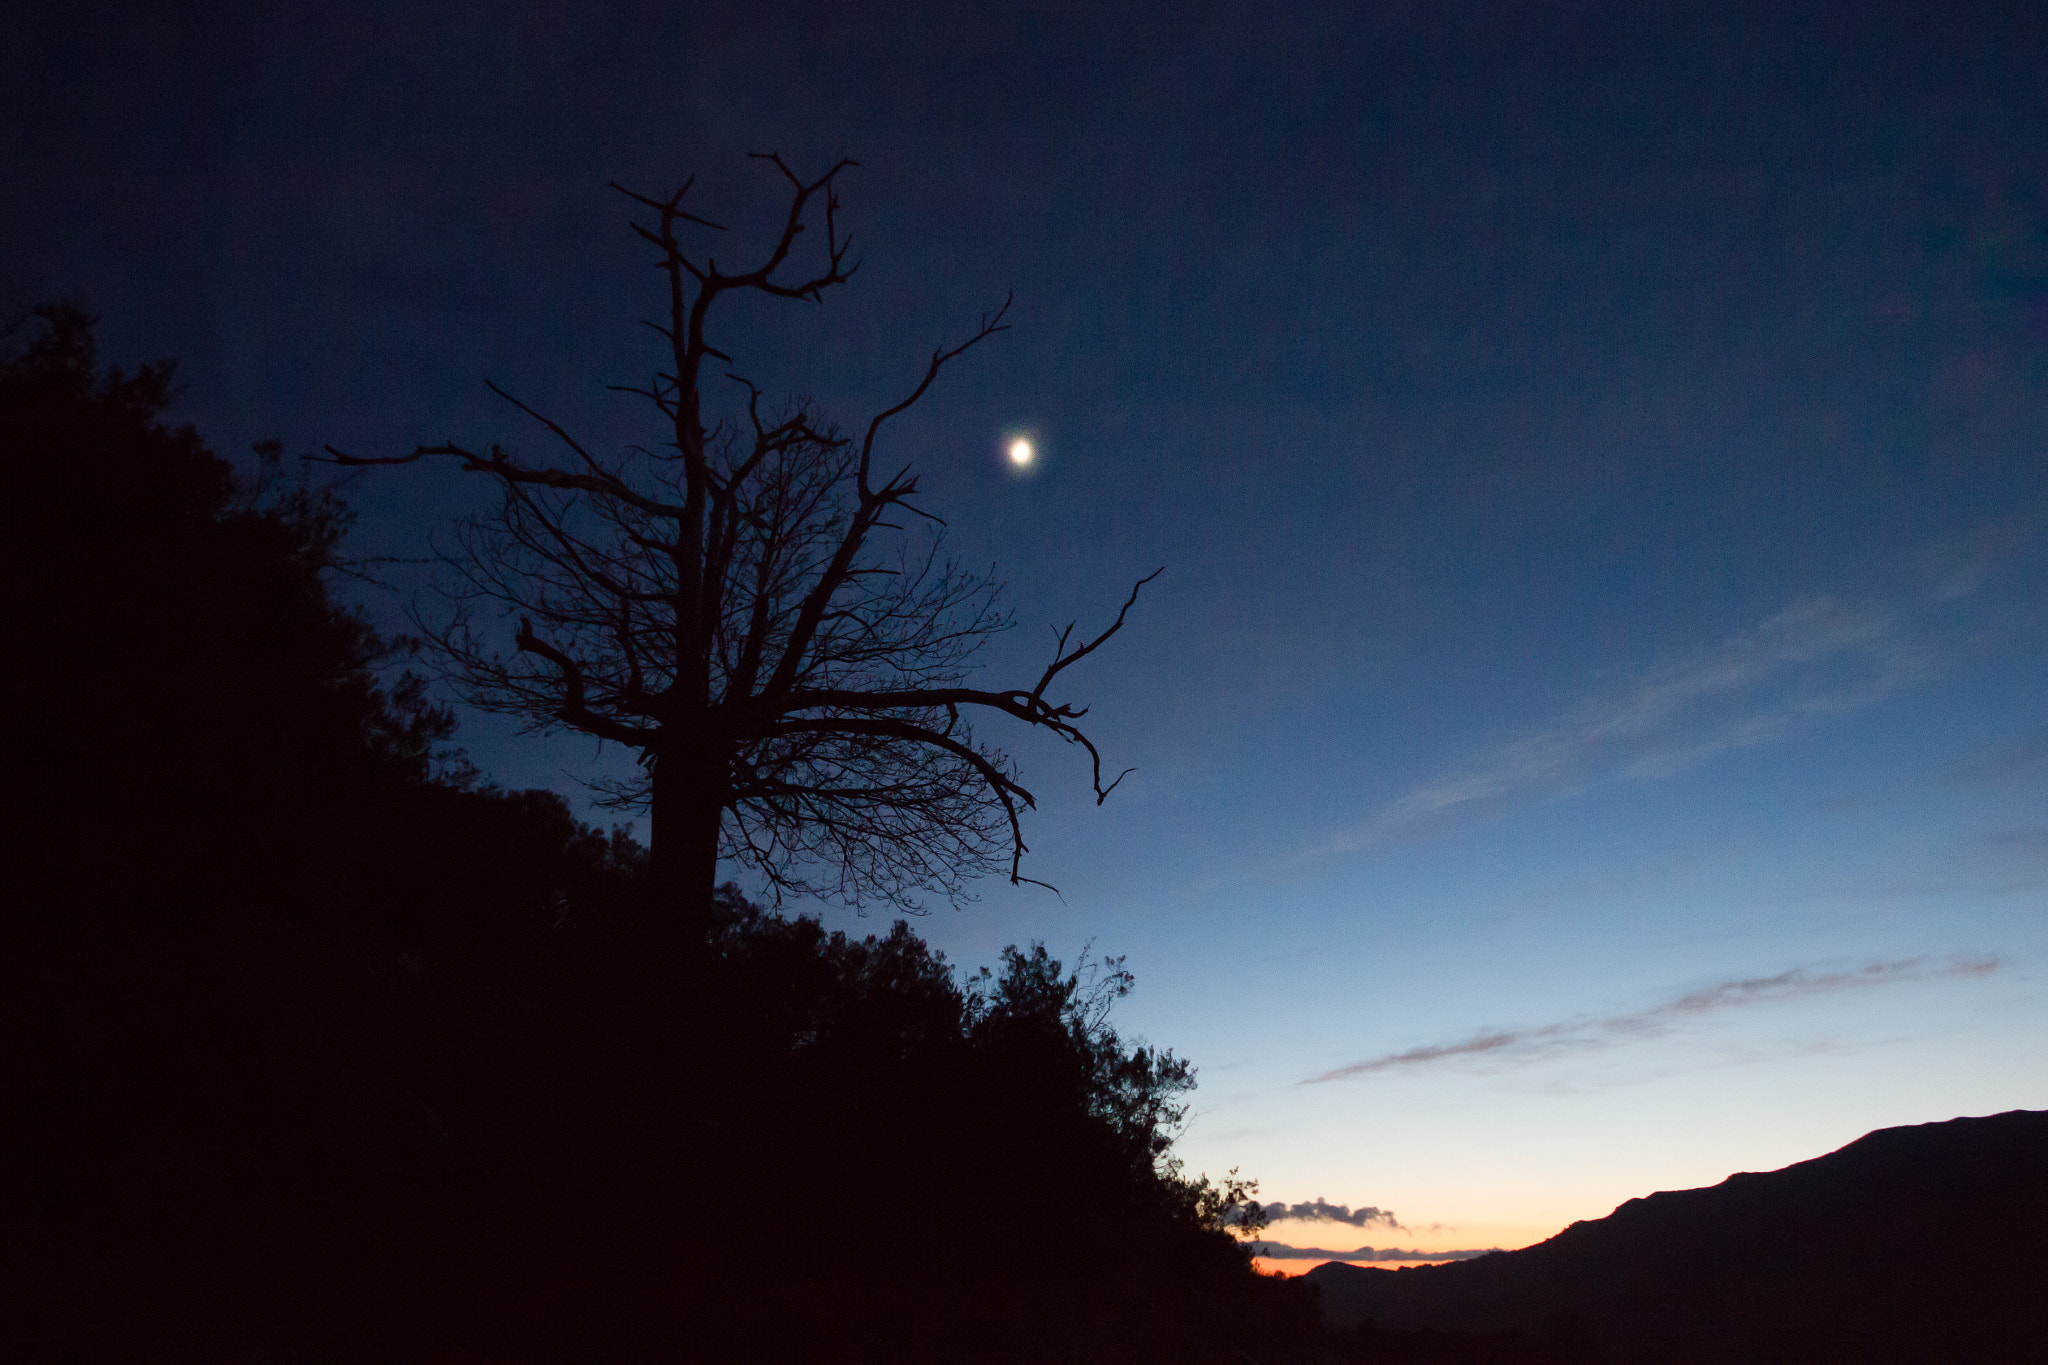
x=1991, y=863
x=2024, y=843
x=1280, y=1251
x=1530, y=1045
x=1821, y=657
x=2024, y=764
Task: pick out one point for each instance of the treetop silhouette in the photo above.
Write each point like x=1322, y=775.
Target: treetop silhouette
x=724, y=604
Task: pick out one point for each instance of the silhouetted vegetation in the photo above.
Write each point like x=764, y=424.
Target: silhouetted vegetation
x=321, y=1047
x=1369, y=1344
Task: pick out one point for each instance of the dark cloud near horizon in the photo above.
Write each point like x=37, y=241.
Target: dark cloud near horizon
x=1319, y=1210
x=1528, y=1046
x=1279, y=1251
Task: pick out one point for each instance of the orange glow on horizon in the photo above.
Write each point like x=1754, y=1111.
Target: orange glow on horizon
x=1268, y=1265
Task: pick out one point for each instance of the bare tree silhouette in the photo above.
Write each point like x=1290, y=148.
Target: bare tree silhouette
x=725, y=606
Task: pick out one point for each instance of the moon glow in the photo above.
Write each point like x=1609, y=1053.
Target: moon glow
x=1021, y=453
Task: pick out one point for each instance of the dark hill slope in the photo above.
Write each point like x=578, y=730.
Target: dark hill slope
x=1927, y=1243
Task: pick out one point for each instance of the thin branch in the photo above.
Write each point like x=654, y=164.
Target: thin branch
x=989, y=327
x=574, y=710
x=1061, y=661
x=1001, y=784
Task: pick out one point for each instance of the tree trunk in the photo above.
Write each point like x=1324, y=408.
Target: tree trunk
x=688, y=807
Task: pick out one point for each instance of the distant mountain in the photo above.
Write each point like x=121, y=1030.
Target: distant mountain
x=1920, y=1244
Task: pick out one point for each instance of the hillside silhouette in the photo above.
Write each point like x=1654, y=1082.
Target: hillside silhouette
x=323, y=1047
x=1924, y=1243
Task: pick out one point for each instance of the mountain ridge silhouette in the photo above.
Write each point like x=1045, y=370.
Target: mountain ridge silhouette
x=1919, y=1243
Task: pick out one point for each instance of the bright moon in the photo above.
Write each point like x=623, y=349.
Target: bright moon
x=1020, y=452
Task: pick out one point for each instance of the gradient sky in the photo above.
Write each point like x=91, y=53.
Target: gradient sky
x=1592, y=734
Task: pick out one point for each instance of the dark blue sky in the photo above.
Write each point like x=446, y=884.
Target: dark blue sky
x=1600, y=457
